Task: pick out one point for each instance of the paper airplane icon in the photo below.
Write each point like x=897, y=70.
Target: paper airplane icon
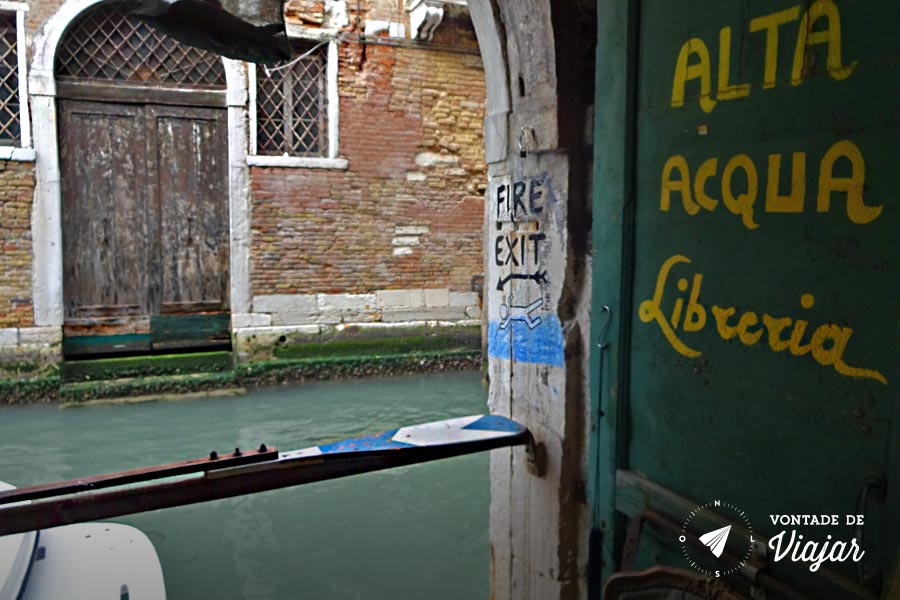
x=715, y=540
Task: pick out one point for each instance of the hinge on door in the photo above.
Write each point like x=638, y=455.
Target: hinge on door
x=873, y=488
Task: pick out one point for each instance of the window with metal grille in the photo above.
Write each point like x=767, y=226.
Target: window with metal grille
x=10, y=122
x=291, y=107
x=107, y=43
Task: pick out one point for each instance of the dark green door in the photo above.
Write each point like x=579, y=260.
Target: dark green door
x=745, y=225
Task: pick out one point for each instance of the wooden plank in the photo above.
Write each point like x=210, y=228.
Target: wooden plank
x=105, y=344
x=125, y=93
x=96, y=482
x=183, y=331
x=181, y=308
x=106, y=326
x=104, y=217
x=191, y=194
x=100, y=312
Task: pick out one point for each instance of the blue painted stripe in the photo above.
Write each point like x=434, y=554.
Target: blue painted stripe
x=542, y=345
x=378, y=441
x=495, y=423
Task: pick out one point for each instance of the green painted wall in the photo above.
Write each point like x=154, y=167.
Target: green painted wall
x=745, y=219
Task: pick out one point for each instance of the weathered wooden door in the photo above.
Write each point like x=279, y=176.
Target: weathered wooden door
x=145, y=226
x=143, y=145
x=188, y=174
x=746, y=281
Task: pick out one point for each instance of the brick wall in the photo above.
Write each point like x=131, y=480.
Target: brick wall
x=16, y=191
x=408, y=211
x=37, y=15
x=305, y=12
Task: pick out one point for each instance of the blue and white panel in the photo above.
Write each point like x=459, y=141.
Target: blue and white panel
x=462, y=430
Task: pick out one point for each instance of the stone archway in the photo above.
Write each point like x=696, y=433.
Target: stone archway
x=47, y=275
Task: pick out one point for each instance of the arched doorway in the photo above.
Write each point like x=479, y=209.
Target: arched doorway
x=143, y=145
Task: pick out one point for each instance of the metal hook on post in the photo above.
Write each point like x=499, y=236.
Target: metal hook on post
x=603, y=345
x=526, y=141
x=535, y=457
x=602, y=342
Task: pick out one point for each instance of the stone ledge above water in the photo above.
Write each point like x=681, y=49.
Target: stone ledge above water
x=334, y=354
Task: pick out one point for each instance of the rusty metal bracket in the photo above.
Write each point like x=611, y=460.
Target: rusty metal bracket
x=535, y=457
x=526, y=141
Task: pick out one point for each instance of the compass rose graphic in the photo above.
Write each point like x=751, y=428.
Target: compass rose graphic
x=728, y=559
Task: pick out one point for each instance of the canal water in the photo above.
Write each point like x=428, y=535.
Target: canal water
x=413, y=532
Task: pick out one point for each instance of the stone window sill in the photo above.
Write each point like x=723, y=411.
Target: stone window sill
x=298, y=162
x=18, y=154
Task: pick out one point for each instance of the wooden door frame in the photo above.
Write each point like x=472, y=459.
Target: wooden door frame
x=47, y=271
x=613, y=269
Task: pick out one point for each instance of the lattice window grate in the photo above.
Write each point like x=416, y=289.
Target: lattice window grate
x=106, y=43
x=10, y=132
x=291, y=115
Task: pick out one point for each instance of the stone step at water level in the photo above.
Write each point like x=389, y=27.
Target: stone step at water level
x=146, y=366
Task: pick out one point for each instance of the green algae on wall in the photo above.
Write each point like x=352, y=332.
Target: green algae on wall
x=329, y=357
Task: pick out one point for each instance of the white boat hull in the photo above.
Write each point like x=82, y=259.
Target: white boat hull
x=95, y=561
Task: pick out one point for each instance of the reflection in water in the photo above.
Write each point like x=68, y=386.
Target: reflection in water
x=413, y=532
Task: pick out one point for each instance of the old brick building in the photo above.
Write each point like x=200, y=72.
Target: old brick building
x=154, y=196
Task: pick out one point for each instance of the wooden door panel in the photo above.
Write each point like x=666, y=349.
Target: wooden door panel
x=757, y=352
x=145, y=226
x=104, y=209
x=190, y=172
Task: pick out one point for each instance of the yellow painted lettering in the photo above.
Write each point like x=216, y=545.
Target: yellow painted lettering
x=747, y=337
x=681, y=185
x=651, y=310
x=770, y=24
x=827, y=345
x=695, y=317
x=796, y=345
x=676, y=313
x=831, y=36
x=774, y=327
x=706, y=170
x=857, y=210
x=726, y=331
x=742, y=204
x=792, y=203
x=685, y=72
x=838, y=337
x=727, y=91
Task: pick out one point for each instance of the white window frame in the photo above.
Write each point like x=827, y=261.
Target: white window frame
x=24, y=151
x=332, y=159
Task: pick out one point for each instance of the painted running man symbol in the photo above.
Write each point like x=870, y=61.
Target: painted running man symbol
x=514, y=312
